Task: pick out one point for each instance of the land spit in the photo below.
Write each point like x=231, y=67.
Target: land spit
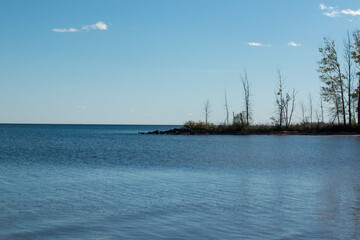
x=187, y=131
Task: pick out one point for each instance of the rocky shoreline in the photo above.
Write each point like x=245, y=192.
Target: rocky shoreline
x=186, y=131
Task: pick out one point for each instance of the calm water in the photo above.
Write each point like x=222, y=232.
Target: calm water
x=107, y=182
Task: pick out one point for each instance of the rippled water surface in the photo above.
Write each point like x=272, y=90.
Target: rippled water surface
x=107, y=182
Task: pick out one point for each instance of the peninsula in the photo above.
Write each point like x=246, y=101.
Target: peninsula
x=200, y=128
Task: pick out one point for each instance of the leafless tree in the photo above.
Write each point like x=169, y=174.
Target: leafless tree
x=310, y=99
x=246, y=91
x=349, y=73
x=303, y=112
x=289, y=110
x=207, y=110
x=283, y=111
x=279, y=100
x=226, y=109
x=317, y=115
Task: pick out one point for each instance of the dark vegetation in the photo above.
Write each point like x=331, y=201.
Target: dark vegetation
x=200, y=128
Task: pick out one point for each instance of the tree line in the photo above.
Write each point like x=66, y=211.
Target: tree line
x=339, y=74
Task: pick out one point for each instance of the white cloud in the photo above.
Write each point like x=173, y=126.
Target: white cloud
x=332, y=12
x=351, y=12
x=61, y=30
x=294, y=44
x=322, y=6
x=97, y=26
x=255, y=44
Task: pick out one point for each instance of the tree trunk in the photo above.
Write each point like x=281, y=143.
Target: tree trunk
x=358, y=107
x=349, y=94
x=337, y=110
x=343, y=104
x=342, y=98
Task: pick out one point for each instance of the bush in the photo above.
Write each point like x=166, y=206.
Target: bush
x=238, y=128
x=198, y=125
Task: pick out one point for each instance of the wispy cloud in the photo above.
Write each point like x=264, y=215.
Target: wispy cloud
x=97, y=26
x=332, y=12
x=351, y=12
x=294, y=44
x=256, y=44
x=322, y=6
x=61, y=30
x=329, y=11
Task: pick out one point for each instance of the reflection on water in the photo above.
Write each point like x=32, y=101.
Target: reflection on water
x=106, y=182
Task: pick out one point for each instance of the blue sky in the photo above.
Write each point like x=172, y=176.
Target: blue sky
x=156, y=62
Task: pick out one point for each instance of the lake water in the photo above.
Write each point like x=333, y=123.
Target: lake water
x=107, y=182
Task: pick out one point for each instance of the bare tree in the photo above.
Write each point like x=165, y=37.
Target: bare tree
x=310, y=99
x=303, y=112
x=283, y=110
x=246, y=90
x=292, y=108
x=319, y=111
x=318, y=116
x=207, y=110
x=279, y=99
x=349, y=73
x=226, y=109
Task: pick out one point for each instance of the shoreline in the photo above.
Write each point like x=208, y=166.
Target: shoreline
x=185, y=131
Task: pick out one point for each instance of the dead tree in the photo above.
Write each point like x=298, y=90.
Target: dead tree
x=246, y=91
x=280, y=100
x=310, y=99
x=207, y=110
x=226, y=109
x=349, y=74
x=290, y=109
x=303, y=112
